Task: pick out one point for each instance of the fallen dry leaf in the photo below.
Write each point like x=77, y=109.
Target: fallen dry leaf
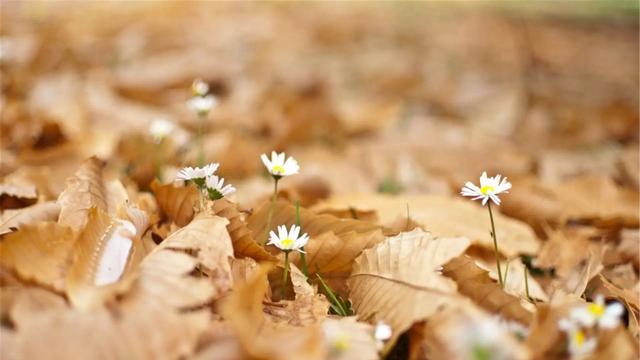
x=397, y=281
x=175, y=202
x=14, y=219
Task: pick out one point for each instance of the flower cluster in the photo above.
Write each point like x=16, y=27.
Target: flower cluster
x=205, y=179
x=202, y=102
x=584, y=322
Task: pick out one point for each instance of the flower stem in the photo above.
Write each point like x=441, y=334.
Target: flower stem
x=285, y=274
x=200, y=189
x=201, y=118
x=158, y=161
x=495, y=245
x=271, y=208
x=526, y=283
x=303, y=258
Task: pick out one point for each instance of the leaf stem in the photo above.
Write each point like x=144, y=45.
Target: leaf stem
x=495, y=245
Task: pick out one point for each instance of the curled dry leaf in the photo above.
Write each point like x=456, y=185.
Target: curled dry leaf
x=39, y=253
x=397, y=281
x=334, y=243
x=244, y=312
x=102, y=256
x=244, y=244
x=14, y=219
x=14, y=196
x=476, y=284
x=87, y=189
x=176, y=202
x=444, y=216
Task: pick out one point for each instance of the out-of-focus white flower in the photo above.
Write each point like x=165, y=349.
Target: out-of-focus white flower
x=216, y=188
x=197, y=174
x=202, y=104
x=199, y=88
x=160, y=128
x=290, y=240
x=598, y=313
x=520, y=331
x=482, y=340
x=489, y=188
x=579, y=345
x=382, y=333
x=338, y=340
x=278, y=167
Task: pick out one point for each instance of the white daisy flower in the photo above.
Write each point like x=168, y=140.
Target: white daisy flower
x=199, y=88
x=160, y=129
x=598, y=313
x=278, y=167
x=288, y=241
x=579, y=345
x=382, y=333
x=216, y=189
x=482, y=340
x=197, y=174
x=202, y=104
x=489, y=188
x=337, y=339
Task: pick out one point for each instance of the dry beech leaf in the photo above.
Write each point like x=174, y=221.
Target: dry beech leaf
x=39, y=253
x=20, y=303
x=244, y=245
x=87, y=189
x=358, y=335
x=443, y=217
x=103, y=333
x=598, y=198
x=102, y=256
x=333, y=243
x=476, y=284
x=15, y=196
x=515, y=284
x=397, y=281
x=533, y=204
x=307, y=308
x=244, y=312
x=14, y=219
x=176, y=202
x=203, y=245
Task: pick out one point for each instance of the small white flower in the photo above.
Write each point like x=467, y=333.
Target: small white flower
x=199, y=88
x=278, y=167
x=598, y=313
x=197, y=174
x=338, y=340
x=160, y=128
x=579, y=345
x=288, y=241
x=482, y=339
x=382, y=333
x=489, y=188
x=216, y=189
x=202, y=104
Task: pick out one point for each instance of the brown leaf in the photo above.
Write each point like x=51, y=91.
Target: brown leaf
x=445, y=217
x=475, y=283
x=243, y=310
x=334, y=243
x=39, y=253
x=244, y=244
x=175, y=202
x=87, y=189
x=14, y=219
x=397, y=281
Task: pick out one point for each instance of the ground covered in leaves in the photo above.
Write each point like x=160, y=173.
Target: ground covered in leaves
x=388, y=108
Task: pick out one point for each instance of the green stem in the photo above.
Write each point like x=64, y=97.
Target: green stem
x=332, y=296
x=526, y=283
x=158, y=161
x=201, y=118
x=303, y=258
x=285, y=274
x=201, y=198
x=495, y=245
x=271, y=208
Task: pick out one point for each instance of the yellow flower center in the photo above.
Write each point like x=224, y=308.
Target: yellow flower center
x=287, y=242
x=277, y=169
x=578, y=337
x=487, y=189
x=342, y=343
x=596, y=309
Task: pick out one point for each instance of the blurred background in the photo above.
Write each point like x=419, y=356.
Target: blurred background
x=413, y=97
